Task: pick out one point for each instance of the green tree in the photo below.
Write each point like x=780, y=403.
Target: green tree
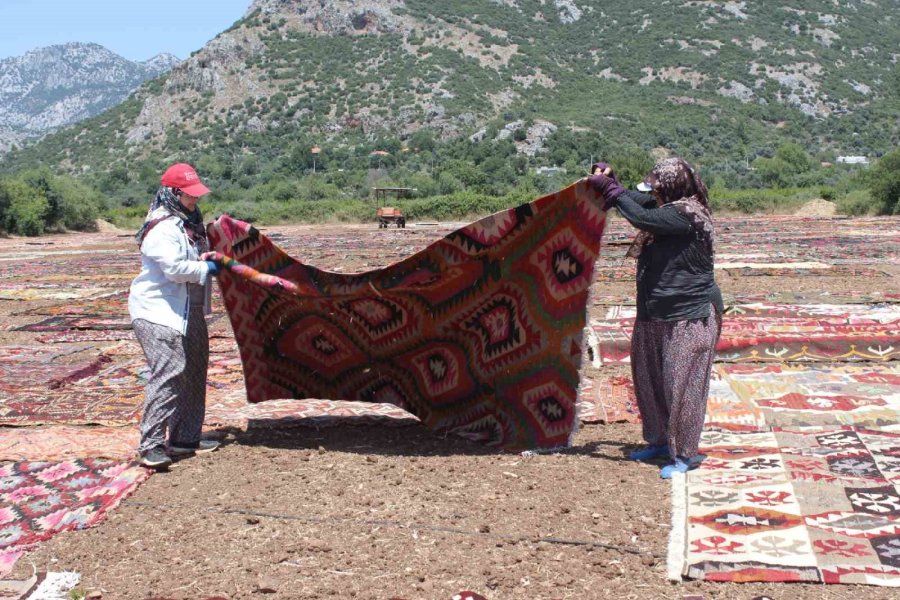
x=790, y=163
x=422, y=141
x=631, y=165
x=115, y=179
x=26, y=208
x=80, y=205
x=884, y=183
x=464, y=172
x=795, y=157
x=772, y=171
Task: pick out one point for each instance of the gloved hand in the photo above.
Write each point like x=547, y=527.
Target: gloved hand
x=213, y=267
x=605, y=169
x=608, y=187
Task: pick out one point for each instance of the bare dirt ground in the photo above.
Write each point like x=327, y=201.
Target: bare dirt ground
x=398, y=512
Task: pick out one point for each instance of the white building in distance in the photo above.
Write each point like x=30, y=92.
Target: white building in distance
x=853, y=160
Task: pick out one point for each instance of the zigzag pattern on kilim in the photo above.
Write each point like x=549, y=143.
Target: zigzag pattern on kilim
x=479, y=334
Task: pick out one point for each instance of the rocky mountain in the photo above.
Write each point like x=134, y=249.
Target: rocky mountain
x=52, y=87
x=719, y=81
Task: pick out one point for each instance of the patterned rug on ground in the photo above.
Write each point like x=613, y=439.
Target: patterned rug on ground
x=72, y=404
x=40, y=499
x=801, y=480
x=814, y=504
x=776, y=333
x=607, y=399
x=112, y=303
x=86, y=335
x=51, y=368
x=36, y=388
x=65, y=442
x=478, y=334
x=77, y=322
x=761, y=396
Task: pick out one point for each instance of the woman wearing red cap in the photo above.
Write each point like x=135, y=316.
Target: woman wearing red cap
x=168, y=301
x=679, y=305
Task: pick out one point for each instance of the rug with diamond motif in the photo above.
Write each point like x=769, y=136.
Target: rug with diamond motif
x=479, y=334
x=41, y=499
x=812, y=504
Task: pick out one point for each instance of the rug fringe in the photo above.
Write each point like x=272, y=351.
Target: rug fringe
x=56, y=586
x=576, y=426
x=544, y=451
x=593, y=344
x=678, y=536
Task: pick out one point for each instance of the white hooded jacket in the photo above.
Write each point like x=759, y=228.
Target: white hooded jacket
x=169, y=262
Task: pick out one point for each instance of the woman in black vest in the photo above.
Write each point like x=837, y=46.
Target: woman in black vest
x=679, y=305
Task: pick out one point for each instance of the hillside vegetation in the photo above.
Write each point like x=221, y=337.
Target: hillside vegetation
x=463, y=100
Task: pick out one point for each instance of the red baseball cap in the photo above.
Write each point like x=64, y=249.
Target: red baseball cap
x=184, y=177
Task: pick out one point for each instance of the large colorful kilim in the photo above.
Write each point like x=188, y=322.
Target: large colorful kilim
x=478, y=334
x=778, y=333
x=801, y=480
x=816, y=504
x=39, y=499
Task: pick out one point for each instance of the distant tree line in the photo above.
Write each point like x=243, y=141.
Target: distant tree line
x=453, y=180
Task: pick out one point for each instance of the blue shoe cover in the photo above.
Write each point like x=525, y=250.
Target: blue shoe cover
x=649, y=453
x=679, y=466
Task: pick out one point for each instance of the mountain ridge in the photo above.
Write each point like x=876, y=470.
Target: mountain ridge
x=51, y=87
x=719, y=82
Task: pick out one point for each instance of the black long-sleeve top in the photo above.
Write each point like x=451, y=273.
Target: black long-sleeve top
x=675, y=278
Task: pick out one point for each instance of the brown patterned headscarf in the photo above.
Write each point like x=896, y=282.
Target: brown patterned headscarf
x=678, y=184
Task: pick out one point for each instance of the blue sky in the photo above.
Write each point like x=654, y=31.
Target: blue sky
x=135, y=29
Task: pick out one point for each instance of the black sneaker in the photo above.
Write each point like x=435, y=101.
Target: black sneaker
x=156, y=458
x=201, y=447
